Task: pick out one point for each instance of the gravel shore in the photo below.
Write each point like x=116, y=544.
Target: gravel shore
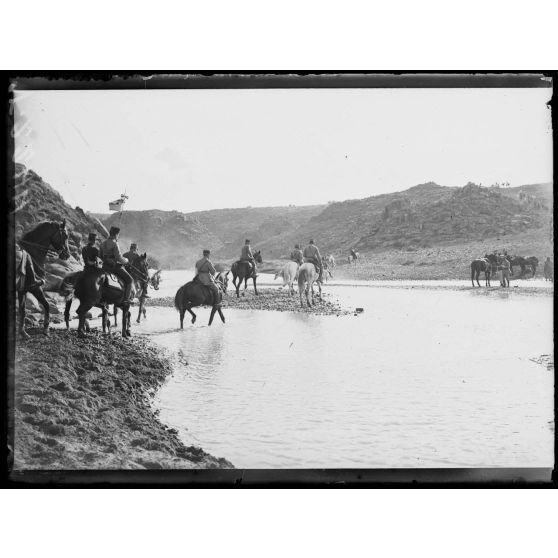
x=273, y=299
x=84, y=403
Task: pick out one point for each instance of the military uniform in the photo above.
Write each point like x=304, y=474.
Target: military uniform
x=204, y=274
x=131, y=256
x=247, y=256
x=89, y=254
x=113, y=262
x=296, y=256
x=312, y=254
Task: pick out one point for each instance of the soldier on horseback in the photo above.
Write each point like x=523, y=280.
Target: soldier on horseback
x=90, y=253
x=205, y=273
x=312, y=254
x=113, y=262
x=296, y=255
x=132, y=254
x=247, y=256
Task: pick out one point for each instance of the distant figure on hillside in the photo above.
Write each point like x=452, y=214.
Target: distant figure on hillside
x=548, y=270
x=90, y=254
x=312, y=254
x=296, y=255
x=132, y=254
x=205, y=273
x=247, y=256
x=113, y=262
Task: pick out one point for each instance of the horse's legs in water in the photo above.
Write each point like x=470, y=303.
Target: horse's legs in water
x=67, y=312
x=213, y=310
x=221, y=314
x=37, y=292
x=312, y=292
x=22, y=298
x=255, y=288
x=189, y=308
x=182, y=312
x=237, y=286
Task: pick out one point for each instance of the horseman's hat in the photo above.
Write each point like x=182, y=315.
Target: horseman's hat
x=297, y=246
x=133, y=245
x=114, y=230
x=311, y=241
x=246, y=241
x=206, y=252
x=92, y=236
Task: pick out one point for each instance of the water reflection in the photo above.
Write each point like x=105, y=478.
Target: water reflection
x=417, y=380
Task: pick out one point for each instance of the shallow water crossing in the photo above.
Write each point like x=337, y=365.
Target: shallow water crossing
x=422, y=378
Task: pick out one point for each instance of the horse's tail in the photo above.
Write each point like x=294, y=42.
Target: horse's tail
x=178, y=298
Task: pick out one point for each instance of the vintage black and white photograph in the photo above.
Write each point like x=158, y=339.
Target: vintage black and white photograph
x=294, y=276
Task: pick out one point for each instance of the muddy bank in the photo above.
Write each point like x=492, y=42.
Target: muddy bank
x=86, y=404
x=273, y=299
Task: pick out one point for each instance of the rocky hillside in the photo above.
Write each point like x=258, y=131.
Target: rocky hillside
x=424, y=216
x=176, y=239
x=36, y=201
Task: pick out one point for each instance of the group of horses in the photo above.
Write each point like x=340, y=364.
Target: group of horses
x=92, y=288
x=490, y=265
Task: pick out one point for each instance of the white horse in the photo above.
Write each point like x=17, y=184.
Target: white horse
x=289, y=273
x=307, y=276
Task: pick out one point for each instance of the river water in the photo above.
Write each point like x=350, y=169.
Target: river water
x=421, y=378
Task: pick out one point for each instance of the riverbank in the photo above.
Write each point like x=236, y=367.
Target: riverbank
x=85, y=403
x=273, y=299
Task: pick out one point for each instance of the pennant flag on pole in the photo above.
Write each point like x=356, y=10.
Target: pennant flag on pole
x=116, y=205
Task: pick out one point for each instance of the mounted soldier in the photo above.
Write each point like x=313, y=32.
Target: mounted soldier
x=113, y=262
x=90, y=254
x=312, y=254
x=205, y=273
x=132, y=254
x=247, y=256
x=296, y=255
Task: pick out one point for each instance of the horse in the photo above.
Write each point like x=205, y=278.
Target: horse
x=531, y=262
x=353, y=257
x=35, y=244
x=99, y=288
x=241, y=271
x=289, y=274
x=478, y=265
x=194, y=293
x=307, y=276
x=140, y=274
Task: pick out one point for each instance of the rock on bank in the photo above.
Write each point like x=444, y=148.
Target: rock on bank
x=84, y=403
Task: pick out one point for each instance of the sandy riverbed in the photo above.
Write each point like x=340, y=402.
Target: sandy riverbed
x=85, y=404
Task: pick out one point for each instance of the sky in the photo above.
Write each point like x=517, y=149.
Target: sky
x=191, y=150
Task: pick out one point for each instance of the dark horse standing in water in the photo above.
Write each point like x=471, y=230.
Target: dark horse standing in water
x=195, y=293
x=242, y=271
x=98, y=288
x=478, y=265
x=36, y=244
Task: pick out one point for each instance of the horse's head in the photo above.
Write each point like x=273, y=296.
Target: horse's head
x=59, y=240
x=258, y=256
x=156, y=279
x=222, y=280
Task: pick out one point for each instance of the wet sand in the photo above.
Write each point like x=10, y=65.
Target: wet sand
x=85, y=403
